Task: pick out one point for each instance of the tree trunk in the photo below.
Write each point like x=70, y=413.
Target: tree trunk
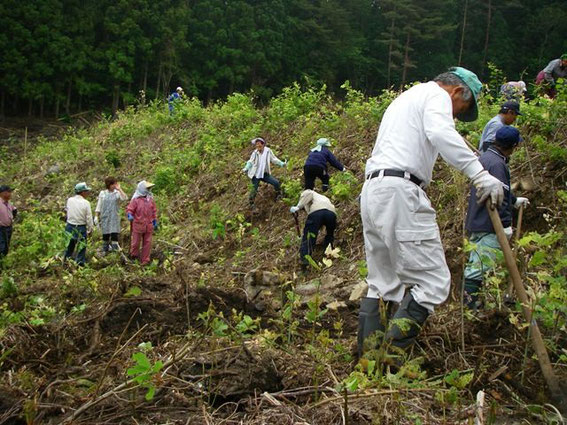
x=145, y=80
x=158, y=79
x=68, y=100
x=463, y=32
x=115, y=98
x=406, y=61
x=30, y=107
x=487, y=38
x=80, y=106
x=3, y=105
x=390, y=50
x=57, y=102
x=41, y=105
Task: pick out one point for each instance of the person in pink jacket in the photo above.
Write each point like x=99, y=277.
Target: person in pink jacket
x=142, y=214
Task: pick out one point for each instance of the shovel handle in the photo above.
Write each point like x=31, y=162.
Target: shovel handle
x=537, y=339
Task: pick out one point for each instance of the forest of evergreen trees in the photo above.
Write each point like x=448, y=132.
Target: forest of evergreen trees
x=64, y=56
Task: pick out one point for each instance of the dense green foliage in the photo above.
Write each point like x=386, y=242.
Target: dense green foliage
x=66, y=55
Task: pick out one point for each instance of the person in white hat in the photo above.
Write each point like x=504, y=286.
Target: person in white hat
x=513, y=90
x=142, y=213
x=174, y=98
x=316, y=164
x=79, y=223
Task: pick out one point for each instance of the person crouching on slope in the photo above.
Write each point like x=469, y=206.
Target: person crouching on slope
x=320, y=212
x=142, y=214
x=316, y=164
x=482, y=235
x=258, y=169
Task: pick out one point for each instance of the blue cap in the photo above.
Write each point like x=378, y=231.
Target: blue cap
x=474, y=84
x=508, y=136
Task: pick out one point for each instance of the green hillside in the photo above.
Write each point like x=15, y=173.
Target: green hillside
x=222, y=327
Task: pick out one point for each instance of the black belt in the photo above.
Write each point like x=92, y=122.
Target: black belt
x=397, y=173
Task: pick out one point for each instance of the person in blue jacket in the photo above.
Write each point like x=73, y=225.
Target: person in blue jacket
x=174, y=98
x=482, y=258
x=316, y=164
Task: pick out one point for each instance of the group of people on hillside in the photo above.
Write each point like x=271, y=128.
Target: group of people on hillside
x=408, y=274
x=404, y=254
x=141, y=213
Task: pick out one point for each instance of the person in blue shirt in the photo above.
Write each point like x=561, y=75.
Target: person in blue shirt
x=174, y=98
x=508, y=113
x=316, y=165
x=482, y=258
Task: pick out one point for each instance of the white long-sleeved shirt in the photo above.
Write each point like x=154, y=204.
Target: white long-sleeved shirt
x=312, y=201
x=261, y=161
x=415, y=129
x=79, y=212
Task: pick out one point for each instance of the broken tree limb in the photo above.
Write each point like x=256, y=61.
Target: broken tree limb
x=537, y=339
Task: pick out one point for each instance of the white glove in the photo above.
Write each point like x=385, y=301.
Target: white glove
x=96, y=221
x=521, y=202
x=508, y=231
x=293, y=210
x=344, y=169
x=244, y=170
x=284, y=164
x=488, y=185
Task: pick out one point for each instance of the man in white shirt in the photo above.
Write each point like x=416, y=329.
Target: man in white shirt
x=320, y=213
x=401, y=236
x=79, y=223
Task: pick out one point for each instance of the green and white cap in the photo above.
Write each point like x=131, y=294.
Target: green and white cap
x=82, y=187
x=473, y=83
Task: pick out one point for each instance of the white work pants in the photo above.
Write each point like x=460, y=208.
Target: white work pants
x=402, y=242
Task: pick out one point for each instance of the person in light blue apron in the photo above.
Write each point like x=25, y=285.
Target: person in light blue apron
x=107, y=213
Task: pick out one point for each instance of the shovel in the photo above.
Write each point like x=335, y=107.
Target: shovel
x=537, y=339
x=296, y=218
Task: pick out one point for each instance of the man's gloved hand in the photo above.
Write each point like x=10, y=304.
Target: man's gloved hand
x=488, y=186
x=96, y=222
x=521, y=202
x=155, y=224
x=244, y=170
x=130, y=217
x=283, y=163
x=508, y=231
x=293, y=210
x=14, y=213
x=344, y=169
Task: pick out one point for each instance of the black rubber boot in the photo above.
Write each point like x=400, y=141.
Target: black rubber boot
x=406, y=323
x=371, y=320
x=472, y=288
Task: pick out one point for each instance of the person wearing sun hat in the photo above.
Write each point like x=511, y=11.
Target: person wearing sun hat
x=79, y=223
x=513, y=90
x=404, y=254
x=482, y=236
x=548, y=76
x=142, y=214
x=316, y=164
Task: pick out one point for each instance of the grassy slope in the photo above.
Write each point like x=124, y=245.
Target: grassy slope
x=195, y=159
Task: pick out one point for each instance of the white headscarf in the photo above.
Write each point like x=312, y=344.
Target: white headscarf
x=320, y=143
x=142, y=190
